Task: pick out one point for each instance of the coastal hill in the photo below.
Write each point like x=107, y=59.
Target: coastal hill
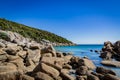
x=33, y=33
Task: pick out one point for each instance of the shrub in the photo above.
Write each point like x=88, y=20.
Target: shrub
x=4, y=36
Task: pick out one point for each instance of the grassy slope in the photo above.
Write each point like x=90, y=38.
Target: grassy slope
x=33, y=33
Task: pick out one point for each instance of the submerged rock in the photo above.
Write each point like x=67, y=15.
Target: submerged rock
x=104, y=71
x=91, y=50
x=96, y=51
x=111, y=63
x=110, y=77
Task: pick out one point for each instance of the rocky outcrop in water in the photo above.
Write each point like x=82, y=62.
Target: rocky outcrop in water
x=111, y=63
x=111, y=51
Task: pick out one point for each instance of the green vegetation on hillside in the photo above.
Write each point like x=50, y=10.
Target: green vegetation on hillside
x=29, y=32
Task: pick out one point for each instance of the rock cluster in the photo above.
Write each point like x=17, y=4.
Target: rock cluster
x=24, y=59
x=111, y=51
x=86, y=70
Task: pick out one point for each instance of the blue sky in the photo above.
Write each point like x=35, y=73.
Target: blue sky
x=81, y=21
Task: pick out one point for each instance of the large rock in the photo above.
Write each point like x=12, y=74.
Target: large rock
x=59, y=54
x=49, y=49
x=53, y=60
x=111, y=63
x=9, y=45
x=11, y=35
x=12, y=49
x=2, y=52
x=108, y=43
x=108, y=46
x=35, y=46
x=111, y=50
x=8, y=71
x=47, y=69
x=117, y=57
x=110, y=77
x=7, y=67
x=86, y=62
x=82, y=70
x=100, y=76
x=117, y=47
x=34, y=55
x=15, y=37
x=22, y=44
x=10, y=76
x=22, y=54
x=2, y=45
x=106, y=55
x=67, y=58
x=30, y=65
x=4, y=42
x=3, y=57
x=80, y=78
x=12, y=58
x=47, y=55
x=65, y=75
x=67, y=66
x=25, y=77
x=117, y=50
x=19, y=63
x=74, y=62
x=92, y=77
x=42, y=76
x=104, y=71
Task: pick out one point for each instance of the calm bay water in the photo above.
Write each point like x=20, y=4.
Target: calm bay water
x=84, y=50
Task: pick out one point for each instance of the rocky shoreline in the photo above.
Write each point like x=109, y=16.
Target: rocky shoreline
x=24, y=59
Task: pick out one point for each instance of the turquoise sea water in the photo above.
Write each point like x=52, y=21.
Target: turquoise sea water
x=84, y=50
